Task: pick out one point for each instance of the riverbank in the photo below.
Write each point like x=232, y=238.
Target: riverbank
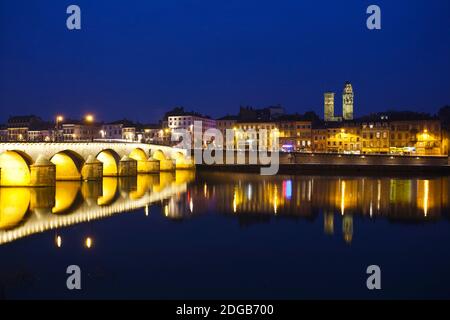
x=329, y=169
x=324, y=163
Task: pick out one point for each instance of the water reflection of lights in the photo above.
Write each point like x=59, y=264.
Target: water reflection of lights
x=295, y=196
x=275, y=200
x=166, y=210
x=235, y=200
x=342, y=197
x=287, y=189
x=47, y=209
x=425, y=197
x=88, y=242
x=58, y=241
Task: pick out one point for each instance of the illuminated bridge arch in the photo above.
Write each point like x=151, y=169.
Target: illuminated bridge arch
x=110, y=160
x=138, y=154
x=15, y=168
x=181, y=161
x=159, y=155
x=68, y=165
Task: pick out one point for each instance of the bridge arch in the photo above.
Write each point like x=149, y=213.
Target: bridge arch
x=15, y=169
x=182, y=161
x=138, y=154
x=68, y=165
x=110, y=160
x=159, y=155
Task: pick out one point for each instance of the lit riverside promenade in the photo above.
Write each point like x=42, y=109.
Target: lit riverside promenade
x=42, y=164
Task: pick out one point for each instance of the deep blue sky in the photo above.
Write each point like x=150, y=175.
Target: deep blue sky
x=138, y=58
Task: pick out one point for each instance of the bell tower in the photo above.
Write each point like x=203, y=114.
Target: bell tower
x=347, y=102
x=329, y=106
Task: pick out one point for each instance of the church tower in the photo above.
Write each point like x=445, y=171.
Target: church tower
x=347, y=102
x=329, y=106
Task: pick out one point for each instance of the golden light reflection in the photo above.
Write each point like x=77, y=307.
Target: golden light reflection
x=14, y=204
x=328, y=223
x=166, y=210
x=109, y=191
x=423, y=190
x=88, y=243
x=144, y=183
x=275, y=199
x=342, y=197
x=66, y=193
x=58, y=241
x=347, y=228
x=166, y=179
x=27, y=211
x=425, y=197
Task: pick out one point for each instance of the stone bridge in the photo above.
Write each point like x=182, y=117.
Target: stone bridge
x=41, y=164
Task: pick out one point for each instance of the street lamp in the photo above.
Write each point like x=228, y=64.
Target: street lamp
x=59, y=120
x=89, y=118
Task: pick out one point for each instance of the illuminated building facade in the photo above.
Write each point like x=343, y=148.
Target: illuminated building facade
x=422, y=137
x=344, y=138
x=223, y=124
x=80, y=131
x=112, y=131
x=3, y=134
x=295, y=135
x=319, y=139
x=181, y=121
x=375, y=137
x=250, y=134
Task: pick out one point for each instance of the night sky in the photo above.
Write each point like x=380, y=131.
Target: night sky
x=139, y=58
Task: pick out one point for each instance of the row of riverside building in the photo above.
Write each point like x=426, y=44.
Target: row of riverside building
x=405, y=133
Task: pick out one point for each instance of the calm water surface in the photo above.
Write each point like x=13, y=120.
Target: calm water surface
x=227, y=235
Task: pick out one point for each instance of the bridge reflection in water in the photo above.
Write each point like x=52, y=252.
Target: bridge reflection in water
x=248, y=197
x=26, y=211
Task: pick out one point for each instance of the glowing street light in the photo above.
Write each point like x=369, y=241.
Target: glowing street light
x=89, y=118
